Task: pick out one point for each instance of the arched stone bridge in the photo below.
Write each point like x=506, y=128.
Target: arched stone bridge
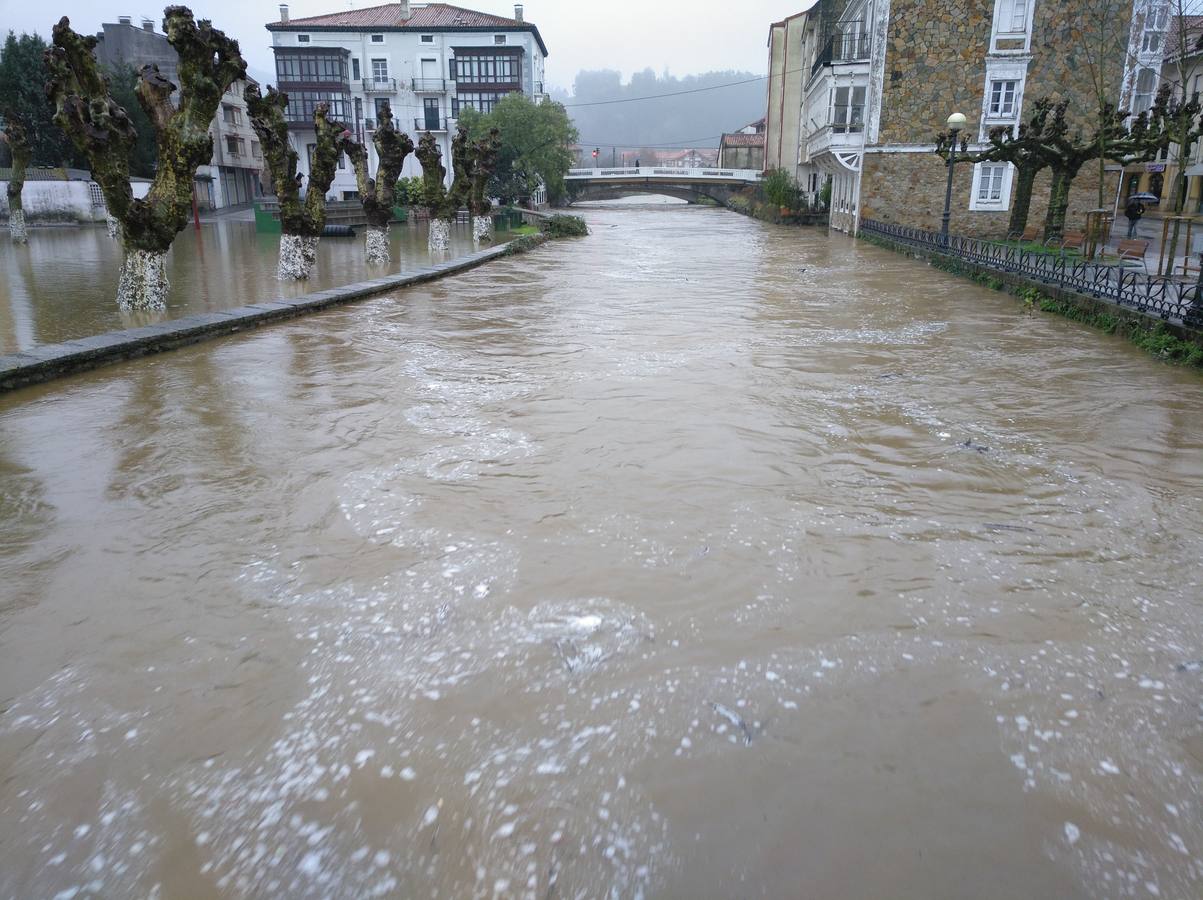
x=691, y=185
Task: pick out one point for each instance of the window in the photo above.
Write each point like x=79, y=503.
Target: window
x=427, y=39
x=1146, y=84
x=256, y=150
x=379, y=70
x=490, y=69
x=1153, y=30
x=381, y=103
x=301, y=104
x=302, y=39
x=378, y=39
x=233, y=145
x=355, y=76
x=312, y=67
x=1012, y=16
x=478, y=100
x=231, y=115
x=990, y=184
x=848, y=110
x=499, y=39
x=1002, y=98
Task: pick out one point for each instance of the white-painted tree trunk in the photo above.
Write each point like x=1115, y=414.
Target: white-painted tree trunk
x=482, y=228
x=297, y=256
x=376, y=246
x=439, y=236
x=113, y=226
x=143, y=283
x=16, y=226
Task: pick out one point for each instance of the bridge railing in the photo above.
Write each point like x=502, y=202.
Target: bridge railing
x=693, y=174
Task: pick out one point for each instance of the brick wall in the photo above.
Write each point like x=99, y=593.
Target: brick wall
x=908, y=188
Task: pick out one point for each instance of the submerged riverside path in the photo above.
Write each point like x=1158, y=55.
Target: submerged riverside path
x=695, y=558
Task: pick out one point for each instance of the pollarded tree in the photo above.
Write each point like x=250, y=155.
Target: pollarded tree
x=483, y=157
x=378, y=195
x=301, y=220
x=209, y=62
x=435, y=196
x=18, y=144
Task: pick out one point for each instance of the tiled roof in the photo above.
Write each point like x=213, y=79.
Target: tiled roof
x=743, y=140
x=433, y=15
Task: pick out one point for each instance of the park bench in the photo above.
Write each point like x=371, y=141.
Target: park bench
x=1072, y=241
x=1029, y=235
x=1131, y=254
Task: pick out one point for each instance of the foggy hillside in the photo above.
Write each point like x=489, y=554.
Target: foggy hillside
x=690, y=120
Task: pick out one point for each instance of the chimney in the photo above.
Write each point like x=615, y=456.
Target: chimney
x=404, y=4
x=148, y=25
x=518, y=11
x=284, y=12
x=124, y=20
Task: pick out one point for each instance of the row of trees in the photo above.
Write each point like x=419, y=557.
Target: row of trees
x=106, y=134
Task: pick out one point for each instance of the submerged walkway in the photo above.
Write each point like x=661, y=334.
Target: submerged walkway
x=48, y=361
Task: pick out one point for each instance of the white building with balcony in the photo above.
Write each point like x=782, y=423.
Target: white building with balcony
x=836, y=92
x=427, y=62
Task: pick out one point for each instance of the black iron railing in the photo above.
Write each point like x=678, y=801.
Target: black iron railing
x=1172, y=299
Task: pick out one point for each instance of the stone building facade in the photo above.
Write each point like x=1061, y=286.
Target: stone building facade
x=910, y=63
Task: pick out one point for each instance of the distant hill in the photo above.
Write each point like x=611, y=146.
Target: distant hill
x=689, y=120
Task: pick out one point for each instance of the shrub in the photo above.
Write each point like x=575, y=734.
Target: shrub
x=781, y=190
x=560, y=225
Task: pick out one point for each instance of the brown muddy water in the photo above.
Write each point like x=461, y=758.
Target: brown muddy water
x=62, y=285
x=653, y=564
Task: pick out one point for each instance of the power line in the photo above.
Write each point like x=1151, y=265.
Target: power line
x=713, y=87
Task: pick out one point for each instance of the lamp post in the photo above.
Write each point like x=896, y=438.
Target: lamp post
x=956, y=124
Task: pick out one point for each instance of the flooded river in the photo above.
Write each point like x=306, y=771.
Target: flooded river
x=697, y=558
x=62, y=285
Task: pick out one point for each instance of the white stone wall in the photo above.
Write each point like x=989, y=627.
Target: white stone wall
x=49, y=202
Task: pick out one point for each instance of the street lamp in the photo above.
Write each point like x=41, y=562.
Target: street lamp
x=956, y=124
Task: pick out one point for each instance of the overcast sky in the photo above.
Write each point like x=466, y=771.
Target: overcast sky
x=628, y=35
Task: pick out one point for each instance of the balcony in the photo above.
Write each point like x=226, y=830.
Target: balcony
x=431, y=85
x=831, y=138
x=431, y=123
x=843, y=48
x=380, y=85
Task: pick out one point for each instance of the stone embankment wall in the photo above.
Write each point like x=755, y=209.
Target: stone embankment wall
x=935, y=64
x=61, y=202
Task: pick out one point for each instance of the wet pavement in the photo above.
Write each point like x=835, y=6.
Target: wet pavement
x=699, y=557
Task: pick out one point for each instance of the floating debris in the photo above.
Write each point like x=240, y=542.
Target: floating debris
x=735, y=719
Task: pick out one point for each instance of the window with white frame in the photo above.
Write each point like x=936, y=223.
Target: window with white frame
x=1142, y=97
x=1154, y=29
x=848, y=110
x=1002, y=98
x=377, y=39
x=379, y=70
x=991, y=186
x=427, y=39
x=1012, y=16
x=302, y=39
x=499, y=39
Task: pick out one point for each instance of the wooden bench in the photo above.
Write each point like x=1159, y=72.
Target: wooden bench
x=1072, y=240
x=1030, y=234
x=1131, y=253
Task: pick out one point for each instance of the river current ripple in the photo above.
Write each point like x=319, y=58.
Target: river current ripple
x=698, y=557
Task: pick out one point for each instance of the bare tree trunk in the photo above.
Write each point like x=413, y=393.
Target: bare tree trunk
x=378, y=195
x=1025, y=180
x=209, y=63
x=112, y=226
x=1058, y=203
x=301, y=219
x=14, y=135
x=484, y=153
x=434, y=192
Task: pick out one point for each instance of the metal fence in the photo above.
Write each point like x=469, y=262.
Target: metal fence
x=1176, y=300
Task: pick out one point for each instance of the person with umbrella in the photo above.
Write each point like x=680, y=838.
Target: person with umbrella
x=1134, y=210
